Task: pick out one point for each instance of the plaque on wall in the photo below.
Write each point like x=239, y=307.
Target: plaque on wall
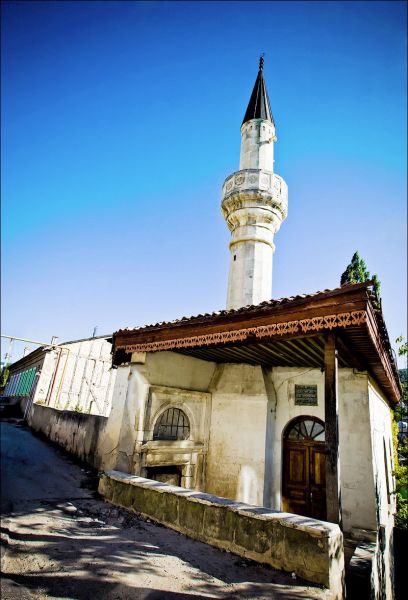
x=306, y=395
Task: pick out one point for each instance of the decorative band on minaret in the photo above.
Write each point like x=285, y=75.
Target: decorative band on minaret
x=254, y=204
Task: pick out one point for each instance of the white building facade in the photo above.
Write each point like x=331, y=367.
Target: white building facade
x=284, y=404
x=75, y=376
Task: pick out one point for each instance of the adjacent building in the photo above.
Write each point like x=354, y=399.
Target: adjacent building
x=76, y=375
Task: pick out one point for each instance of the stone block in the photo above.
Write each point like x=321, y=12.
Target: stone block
x=138, y=502
x=251, y=535
x=170, y=509
x=305, y=554
x=122, y=495
x=104, y=486
x=277, y=543
x=160, y=506
x=218, y=524
x=189, y=470
x=191, y=517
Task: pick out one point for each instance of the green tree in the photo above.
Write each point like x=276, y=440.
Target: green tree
x=401, y=448
x=401, y=486
x=4, y=376
x=403, y=349
x=356, y=272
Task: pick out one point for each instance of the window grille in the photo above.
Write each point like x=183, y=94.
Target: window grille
x=306, y=428
x=172, y=425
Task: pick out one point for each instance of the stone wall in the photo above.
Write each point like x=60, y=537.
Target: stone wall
x=311, y=549
x=78, y=433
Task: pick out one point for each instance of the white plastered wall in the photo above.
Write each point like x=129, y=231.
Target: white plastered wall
x=46, y=373
x=236, y=458
x=356, y=472
x=111, y=443
x=249, y=409
x=357, y=475
x=381, y=432
x=151, y=383
x=77, y=376
x=84, y=379
x=382, y=460
x=282, y=381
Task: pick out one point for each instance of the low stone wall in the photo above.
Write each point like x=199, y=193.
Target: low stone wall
x=311, y=549
x=78, y=433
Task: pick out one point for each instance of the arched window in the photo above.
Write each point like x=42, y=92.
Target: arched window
x=305, y=429
x=172, y=425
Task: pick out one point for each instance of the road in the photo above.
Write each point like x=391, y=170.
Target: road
x=60, y=540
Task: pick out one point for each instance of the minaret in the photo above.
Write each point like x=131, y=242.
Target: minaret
x=254, y=204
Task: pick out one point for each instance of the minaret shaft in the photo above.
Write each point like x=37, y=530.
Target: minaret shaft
x=254, y=204
x=250, y=273
x=257, y=139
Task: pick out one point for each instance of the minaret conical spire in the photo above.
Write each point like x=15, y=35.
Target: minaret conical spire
x=259, y=106
x=254, y=204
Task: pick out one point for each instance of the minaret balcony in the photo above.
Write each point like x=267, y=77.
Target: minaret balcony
x=254, y=188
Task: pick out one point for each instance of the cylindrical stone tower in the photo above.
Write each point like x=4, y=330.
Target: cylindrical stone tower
x=254, y=204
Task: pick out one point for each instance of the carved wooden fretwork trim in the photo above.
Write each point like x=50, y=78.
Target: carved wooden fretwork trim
x=357, y=317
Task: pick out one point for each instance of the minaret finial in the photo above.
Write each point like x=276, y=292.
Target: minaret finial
x=259, y=106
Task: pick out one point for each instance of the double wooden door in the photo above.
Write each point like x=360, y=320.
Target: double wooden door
x=304, y=476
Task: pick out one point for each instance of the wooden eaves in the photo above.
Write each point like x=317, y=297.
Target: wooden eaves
x=286, y=332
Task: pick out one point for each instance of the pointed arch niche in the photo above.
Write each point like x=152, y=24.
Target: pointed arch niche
x=176, y=429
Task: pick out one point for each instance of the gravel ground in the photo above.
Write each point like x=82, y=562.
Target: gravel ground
x=60, y=540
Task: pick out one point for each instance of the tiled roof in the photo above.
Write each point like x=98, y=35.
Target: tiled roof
x=246, y=309
x=277, y=327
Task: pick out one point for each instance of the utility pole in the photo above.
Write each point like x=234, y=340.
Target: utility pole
x=7, y=356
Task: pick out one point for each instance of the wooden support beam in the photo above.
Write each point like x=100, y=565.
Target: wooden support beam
x=331, y=405
x=350, y=355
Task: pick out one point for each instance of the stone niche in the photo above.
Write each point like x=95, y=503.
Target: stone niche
x=179, y=461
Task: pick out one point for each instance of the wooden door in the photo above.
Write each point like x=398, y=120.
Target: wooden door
x=304, y=491
x=296, y=479
x=317, y=481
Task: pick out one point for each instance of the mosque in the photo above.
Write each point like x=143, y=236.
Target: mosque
x=249, y=401
x=284, y=404
x=280, y=403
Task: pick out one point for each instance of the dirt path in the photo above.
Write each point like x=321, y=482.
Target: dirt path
x=59, y=541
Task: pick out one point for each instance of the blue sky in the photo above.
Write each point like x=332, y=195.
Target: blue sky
x=120, y=121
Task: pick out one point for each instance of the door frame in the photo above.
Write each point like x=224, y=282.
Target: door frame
x=307, y=444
